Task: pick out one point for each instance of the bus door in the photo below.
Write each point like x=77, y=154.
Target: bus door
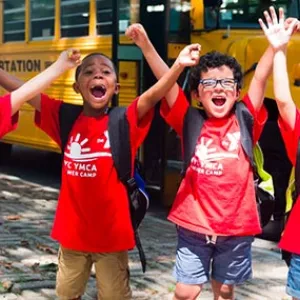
x=168, y=26
x=154, y=18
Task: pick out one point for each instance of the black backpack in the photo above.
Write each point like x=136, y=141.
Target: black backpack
x=193, y=122
x=118, y=131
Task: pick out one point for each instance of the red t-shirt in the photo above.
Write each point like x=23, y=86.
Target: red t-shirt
x=8, y=122
x=216, y=196
x=290, y=239
x=92, y=213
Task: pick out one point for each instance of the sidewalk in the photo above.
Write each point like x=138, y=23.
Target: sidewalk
x=28, y=257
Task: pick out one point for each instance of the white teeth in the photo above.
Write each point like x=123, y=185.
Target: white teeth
x=98, y=85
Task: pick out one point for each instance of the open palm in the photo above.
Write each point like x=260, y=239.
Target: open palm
x=277, y=32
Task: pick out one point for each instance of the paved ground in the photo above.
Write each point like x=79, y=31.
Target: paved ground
x=28, y=256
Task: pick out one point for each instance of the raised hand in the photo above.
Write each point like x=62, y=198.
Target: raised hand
x=189, y=56
x=277, y=32
x=137, y=34
x=288, y=21
x=69, y=59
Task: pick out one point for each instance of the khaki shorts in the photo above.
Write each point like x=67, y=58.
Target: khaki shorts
x=74, y=270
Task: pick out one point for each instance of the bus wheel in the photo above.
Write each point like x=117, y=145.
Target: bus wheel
x=5, y=152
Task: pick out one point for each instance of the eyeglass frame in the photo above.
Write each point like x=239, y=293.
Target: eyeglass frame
x=219, y=81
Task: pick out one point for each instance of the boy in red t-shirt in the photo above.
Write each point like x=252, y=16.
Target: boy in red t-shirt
x=92, y=222
x=215, y=207
x=289, y=124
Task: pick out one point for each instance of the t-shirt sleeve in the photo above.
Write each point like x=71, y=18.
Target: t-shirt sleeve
x=7, y=121
x=260, y=118
x=175, y=116
x=138, y=128
x=47, y=119
x=290, y=136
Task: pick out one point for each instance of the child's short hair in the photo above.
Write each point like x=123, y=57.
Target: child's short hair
x=213, y=60
x=78, y=69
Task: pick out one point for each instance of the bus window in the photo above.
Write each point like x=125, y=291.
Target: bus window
x=128, y=13
x=179, y=21
x=42, y=19
x=74, y=18
x=239, y=13
x=14, y=20
x=104, y=16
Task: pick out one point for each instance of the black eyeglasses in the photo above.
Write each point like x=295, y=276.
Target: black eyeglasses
x=226, y=83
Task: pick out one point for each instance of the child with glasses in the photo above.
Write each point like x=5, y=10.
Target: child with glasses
x=215, y=208
x=289, y=124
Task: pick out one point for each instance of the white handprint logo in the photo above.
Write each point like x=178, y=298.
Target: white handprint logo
x=233, y=141
x=203, y=152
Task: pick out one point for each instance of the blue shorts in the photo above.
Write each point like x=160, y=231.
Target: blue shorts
x=293, y=281
x=229, y=258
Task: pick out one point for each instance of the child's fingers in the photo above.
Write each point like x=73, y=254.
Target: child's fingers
x=268, y=19
x=195, y=54
x=281, y=16
x=69, y=52
x=273, y=15
x=130, y=30
x=73, y=53
x=292, y=26
x=288, y=21
x=133, y=30
x=194, y=47
x=297, y=26
x=263, y=26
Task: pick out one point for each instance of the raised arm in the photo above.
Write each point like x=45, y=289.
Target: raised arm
x=11, y=83
x=138, y=34
x=264, y=68
x=189, y=56
x=278, y=36
x=67, y=60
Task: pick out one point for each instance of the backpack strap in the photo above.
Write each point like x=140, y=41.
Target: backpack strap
x=119, y=138
x=246, y=122
x=192, y=125
x=68, y=113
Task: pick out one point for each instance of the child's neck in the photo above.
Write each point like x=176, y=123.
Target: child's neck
x=91, y=112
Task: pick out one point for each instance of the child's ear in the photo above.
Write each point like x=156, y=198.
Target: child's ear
x=117, y=88
x=195, y=95
x=76, y=87
x=238, y=93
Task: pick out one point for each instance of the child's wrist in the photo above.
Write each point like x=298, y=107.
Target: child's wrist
x=146, y=47
x=178, y=65
x=282, y=49
x=60, y=67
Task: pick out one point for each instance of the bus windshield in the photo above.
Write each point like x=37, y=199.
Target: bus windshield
x=243, y=13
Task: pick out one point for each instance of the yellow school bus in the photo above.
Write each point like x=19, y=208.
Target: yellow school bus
x=32, y=35
x=34, y=32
